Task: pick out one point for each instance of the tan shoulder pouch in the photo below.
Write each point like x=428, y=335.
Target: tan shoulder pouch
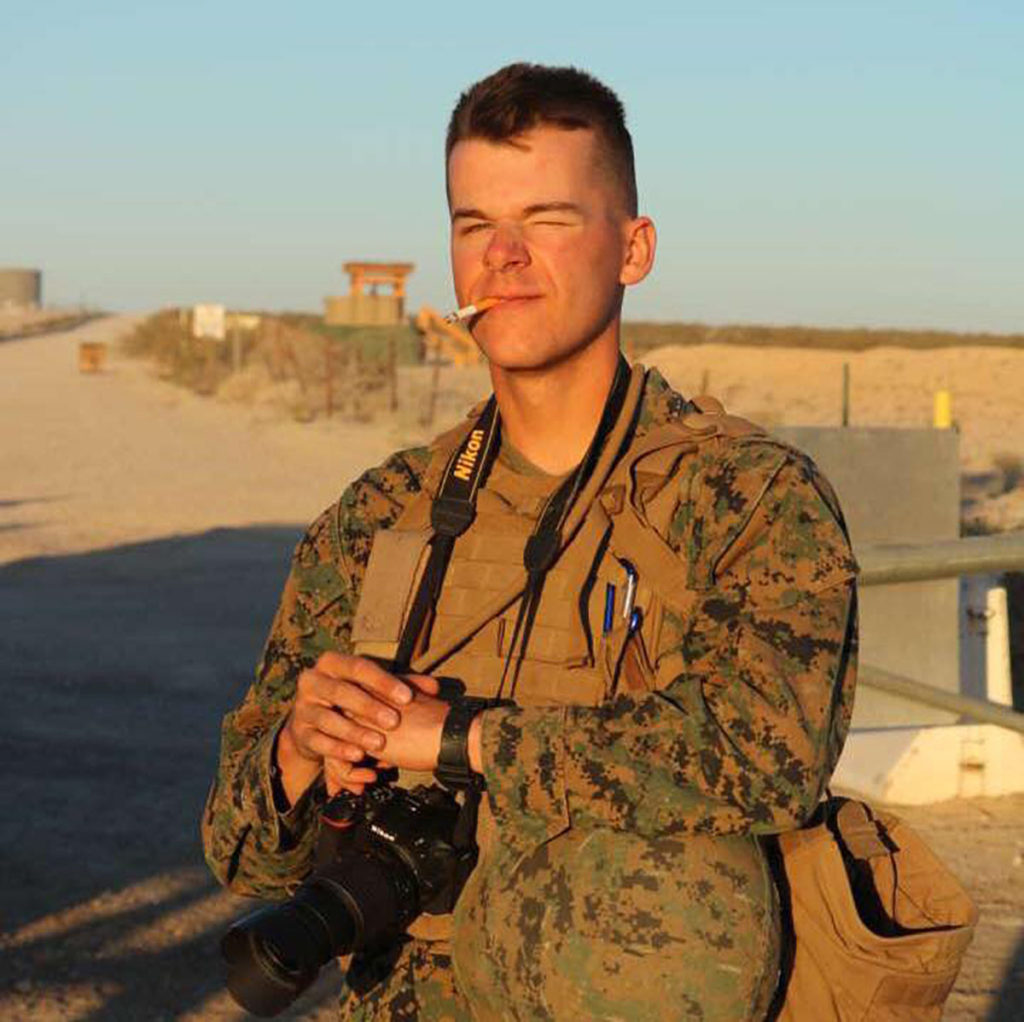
x=397, y=560
x=878, y=926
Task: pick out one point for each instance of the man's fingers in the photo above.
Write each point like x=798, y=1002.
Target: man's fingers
x=367, y=675
x=339, y=775
x=319, y=689
x=356, y=702
x=424, y=682
x=330, y=722
x=340, y=770
x=331, y=748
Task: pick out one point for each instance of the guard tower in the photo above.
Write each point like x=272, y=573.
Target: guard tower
x=363, y=305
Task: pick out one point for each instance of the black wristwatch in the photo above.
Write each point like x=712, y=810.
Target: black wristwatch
x=453, y=769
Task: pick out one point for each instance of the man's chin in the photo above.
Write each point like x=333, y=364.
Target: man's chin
x=512, y=353
x=517, y=357
x=512, y=361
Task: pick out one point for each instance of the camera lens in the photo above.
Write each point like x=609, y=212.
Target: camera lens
x=273, y=954
x=276, y=961
x=366, y=887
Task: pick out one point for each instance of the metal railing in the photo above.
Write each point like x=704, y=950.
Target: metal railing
x=885, y=564
x=898, y=563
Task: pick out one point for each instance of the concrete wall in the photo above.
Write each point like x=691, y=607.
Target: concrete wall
x=897, y=486
x=21, y=288
x=364, y=310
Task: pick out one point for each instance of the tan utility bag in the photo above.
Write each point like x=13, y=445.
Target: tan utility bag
x=878, y=925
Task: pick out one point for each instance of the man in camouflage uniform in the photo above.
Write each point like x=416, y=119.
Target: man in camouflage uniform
x=620, y=874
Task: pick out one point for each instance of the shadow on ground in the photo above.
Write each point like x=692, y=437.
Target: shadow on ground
x=115, y=669
x=1007, y=1007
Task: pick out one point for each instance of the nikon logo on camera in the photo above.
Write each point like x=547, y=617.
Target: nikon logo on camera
x=467, y=459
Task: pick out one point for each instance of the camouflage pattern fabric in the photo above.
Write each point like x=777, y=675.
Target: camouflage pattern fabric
x=421, y=985
x=656, y=798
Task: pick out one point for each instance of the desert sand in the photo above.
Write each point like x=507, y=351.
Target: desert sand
x=888, y=387
x=144, y=536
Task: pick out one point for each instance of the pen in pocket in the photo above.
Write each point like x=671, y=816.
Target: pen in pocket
x=609, y=607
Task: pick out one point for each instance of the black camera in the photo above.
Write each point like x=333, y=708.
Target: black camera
x=382, y=859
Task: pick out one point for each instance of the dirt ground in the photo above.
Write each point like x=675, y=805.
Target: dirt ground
x=888, y=387
x=144, y=536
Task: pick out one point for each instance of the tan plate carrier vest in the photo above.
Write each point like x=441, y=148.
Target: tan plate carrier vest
x=569, y=660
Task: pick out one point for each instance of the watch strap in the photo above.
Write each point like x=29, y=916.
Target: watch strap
x=453, y=769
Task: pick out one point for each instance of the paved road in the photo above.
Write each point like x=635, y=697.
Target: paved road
x=96, y=460
x=138, y=575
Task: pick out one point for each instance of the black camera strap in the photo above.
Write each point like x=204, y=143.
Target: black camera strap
x=454, y=509
x=545, y=543
x=451, y=513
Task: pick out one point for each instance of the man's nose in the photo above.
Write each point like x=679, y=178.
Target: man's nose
x=506, y=250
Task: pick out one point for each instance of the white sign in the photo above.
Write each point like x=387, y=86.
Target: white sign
x=208, y=321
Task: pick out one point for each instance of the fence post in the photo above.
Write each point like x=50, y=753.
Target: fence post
x=328, y=379
x=393, y=372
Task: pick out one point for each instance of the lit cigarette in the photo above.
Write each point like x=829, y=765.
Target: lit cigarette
x=471, y=310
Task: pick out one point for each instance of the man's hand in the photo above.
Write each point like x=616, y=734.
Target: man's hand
x=344, y=707
x=416, y=742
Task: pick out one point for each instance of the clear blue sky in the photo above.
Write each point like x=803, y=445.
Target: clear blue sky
x=831, y=163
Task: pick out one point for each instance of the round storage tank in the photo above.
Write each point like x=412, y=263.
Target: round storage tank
x=21, y=287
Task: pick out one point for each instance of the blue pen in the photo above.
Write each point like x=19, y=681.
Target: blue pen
x=609, y=607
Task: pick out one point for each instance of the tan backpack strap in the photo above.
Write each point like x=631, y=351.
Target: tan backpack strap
x=643, y=494
x=655, y=455
x=635, y=541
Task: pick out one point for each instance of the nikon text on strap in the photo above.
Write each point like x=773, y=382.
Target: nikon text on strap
x=451, y=514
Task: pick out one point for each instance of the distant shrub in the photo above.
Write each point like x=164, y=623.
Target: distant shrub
x=372, y=342
x=198, y=363
x=1012, y=468
x=322, y=370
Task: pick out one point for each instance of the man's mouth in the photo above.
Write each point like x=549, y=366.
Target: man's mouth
x=481, y=305
x=513, y=299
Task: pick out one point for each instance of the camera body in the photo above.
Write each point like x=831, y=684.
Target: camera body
x=382, y=859
x=412, y=833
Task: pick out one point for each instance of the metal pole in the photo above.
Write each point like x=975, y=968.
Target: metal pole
x=328, y=379
x=974, y=555
x=846, y=394
x=393, y=372
x=977, y=709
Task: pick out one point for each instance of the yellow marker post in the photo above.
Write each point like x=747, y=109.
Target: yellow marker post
x=943, y=415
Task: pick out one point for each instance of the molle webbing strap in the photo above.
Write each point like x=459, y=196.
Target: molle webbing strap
x=451, y=513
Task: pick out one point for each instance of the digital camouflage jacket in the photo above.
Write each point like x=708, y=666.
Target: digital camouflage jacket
x=625, y=867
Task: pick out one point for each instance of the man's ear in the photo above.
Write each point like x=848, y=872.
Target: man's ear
x=641, y=242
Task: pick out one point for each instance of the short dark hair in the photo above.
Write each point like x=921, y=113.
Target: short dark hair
x=518, y=97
